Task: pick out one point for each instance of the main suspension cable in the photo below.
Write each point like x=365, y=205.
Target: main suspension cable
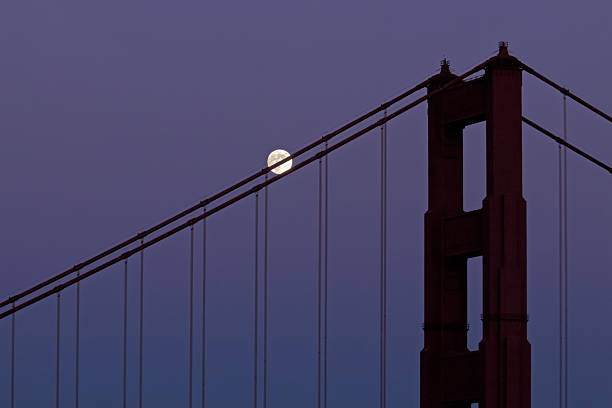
x=244, y=194
x=564, y=143
x=216, y=196
x=566, y=92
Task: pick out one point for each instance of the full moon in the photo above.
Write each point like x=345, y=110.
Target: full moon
x=275, y=157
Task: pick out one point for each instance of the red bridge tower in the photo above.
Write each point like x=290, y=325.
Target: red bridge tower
x=498, y=374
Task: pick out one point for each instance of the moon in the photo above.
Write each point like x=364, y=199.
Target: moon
x=276, y=156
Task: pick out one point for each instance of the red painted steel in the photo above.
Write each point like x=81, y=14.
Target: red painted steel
x=498, y=374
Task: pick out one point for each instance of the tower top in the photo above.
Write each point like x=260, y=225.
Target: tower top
x=503, y=59
x=445, y=66
x=503, y=49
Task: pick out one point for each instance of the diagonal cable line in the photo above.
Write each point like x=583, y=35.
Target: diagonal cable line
x=244, y=194
x=568, y=145
x=566, y=92
x=214, y=197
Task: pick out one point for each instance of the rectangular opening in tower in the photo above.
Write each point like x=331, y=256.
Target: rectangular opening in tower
x=474, y=301
x=474, y=166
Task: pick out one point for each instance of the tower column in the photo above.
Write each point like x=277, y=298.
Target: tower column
x=497, y=375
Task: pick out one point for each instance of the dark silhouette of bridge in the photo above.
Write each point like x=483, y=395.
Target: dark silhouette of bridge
x=496, y=375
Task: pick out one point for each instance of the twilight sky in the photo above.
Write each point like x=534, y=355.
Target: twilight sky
x=117, y=114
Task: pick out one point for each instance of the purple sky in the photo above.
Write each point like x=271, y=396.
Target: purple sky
x=117, y=114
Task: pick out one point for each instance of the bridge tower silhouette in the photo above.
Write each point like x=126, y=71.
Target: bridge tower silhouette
x=497, y=375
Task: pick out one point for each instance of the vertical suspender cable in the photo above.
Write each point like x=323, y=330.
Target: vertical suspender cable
x=141, y=326
x=125, y=298
x=386, y=320
x=325, y=283
x=383, y=264
x=190, y=317
x=255, y=300
x=204, y=310
x=563, y=268
x=57, y=353
x=382, y=277
x=265, y=311
x=565, y=241
x=77, y=343
x=13, y=359
x=319, y=288
x=561, y=301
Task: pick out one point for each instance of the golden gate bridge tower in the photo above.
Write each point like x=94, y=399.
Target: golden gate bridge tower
x=497, y=375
